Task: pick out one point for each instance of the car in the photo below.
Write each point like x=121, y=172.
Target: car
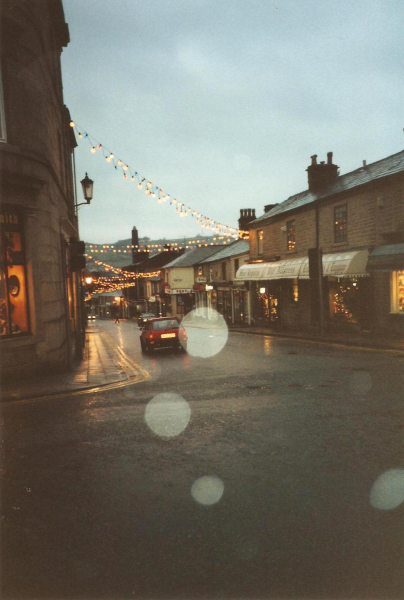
x=163, y=332
x=91, y=317
x=144, y=317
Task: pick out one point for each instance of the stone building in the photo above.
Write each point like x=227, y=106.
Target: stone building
x=357, y=221
x=41, y=317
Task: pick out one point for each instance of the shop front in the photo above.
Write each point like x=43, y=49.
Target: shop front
x=240, y=305
x=386, y=264
x=281, y=294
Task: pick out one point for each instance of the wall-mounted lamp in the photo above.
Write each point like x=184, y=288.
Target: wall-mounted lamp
x=87, y=184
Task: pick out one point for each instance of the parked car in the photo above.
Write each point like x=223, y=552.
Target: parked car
x=144, y=317
x=163, y=332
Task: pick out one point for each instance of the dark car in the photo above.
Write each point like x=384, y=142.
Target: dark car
x=163, y=332
x=144, y=317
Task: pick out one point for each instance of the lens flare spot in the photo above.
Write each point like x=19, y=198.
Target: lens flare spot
x=207, y=490
x=388, y=490
x=361, y=383
x=167, y=415
x=206, y=331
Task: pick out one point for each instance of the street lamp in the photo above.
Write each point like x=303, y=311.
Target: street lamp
x=87, y=185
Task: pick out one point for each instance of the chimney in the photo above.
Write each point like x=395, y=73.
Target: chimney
x=268, y=207
x=321, y=175
x=135, y=242
x=246, y=216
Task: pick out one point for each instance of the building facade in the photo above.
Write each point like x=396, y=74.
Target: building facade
x=41, y=317
x=351, y=219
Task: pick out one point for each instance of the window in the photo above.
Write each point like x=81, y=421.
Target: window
x=397, y=289
x=236, y=265
x=13, y=293
x=260, y=242
x=2, y=117
x=291, y=234
x=223, y=271
x=340, y=223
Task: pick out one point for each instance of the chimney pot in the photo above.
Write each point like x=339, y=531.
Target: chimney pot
x=364, y=164
x=314, y=159
x=329, y=158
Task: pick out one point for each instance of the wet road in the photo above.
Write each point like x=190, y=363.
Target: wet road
x=270, y=470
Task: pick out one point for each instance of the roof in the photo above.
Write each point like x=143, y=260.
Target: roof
x=193, y=257
x=234, y=249
x=377, y=170
x=153, y=263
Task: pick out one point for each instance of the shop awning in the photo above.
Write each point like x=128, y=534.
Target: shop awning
x=387, y=258
x=342, y=264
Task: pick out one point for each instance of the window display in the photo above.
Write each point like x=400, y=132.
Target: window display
x=13, y=294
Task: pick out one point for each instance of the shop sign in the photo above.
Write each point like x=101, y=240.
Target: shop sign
x=201, y=280
x=223, y=288
x=179, y=291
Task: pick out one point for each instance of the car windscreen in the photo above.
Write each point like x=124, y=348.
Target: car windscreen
x=163, y=325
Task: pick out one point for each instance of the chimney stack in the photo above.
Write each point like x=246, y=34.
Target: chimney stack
x=268, y=207
x=246, y=216
x=321, y=175
x=135, y=242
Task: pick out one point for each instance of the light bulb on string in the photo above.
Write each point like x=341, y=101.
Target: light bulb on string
x=93, y=150
x=99, y=147
x=71, y=124
x=125, y=167
x=119, y=162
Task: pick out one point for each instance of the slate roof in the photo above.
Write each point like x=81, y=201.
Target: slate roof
x=193, y=257
x=377, y=170
x=233, y=249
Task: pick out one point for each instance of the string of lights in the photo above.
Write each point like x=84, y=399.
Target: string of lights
x=151, y=189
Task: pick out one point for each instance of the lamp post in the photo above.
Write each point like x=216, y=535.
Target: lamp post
x=87, y=184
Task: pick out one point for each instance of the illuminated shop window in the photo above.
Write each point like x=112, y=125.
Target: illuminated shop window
x=13, y=292
x=340, y=223
x=397, y=289
x=291, y=234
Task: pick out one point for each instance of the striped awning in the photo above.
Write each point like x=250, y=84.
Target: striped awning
x=341, y=264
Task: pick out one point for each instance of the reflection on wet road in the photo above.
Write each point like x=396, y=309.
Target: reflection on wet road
x=271, y=468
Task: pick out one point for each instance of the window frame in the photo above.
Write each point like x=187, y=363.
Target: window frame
x=291, y=235
x=260, y=242
x=340, y=227
x=394, y=293
x=15, y=226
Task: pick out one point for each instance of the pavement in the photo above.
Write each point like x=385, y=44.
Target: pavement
x=105, y=364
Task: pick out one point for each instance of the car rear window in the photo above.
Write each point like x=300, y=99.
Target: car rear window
x=162, y=325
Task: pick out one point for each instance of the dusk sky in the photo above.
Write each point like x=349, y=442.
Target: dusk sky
x=221, y=103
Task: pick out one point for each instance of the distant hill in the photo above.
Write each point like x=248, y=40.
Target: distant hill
x=119, y=254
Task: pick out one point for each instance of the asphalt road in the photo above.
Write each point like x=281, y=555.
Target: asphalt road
x=273, y=469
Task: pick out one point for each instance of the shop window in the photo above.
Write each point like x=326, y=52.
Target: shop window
x=291, y=234
x=260, y=242
x=340, y=223
x=295, y=290
x=397, y=289
x=13, y=290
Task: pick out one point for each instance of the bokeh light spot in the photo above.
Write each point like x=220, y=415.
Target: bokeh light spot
x=388, y=490
x=167, y=414
x=207, y=490
x=207, y=332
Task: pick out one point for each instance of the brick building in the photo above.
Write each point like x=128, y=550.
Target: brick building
x=40, y=317
x=357, y=220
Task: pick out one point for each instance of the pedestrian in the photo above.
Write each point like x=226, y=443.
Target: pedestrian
x=117, y=316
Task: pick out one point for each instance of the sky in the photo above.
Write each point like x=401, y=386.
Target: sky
x=222, y=103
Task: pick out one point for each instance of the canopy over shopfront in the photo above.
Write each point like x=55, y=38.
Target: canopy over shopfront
x=387, y=258
x=342, y=264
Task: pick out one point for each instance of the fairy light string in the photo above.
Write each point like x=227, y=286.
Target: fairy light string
x=152, y=190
